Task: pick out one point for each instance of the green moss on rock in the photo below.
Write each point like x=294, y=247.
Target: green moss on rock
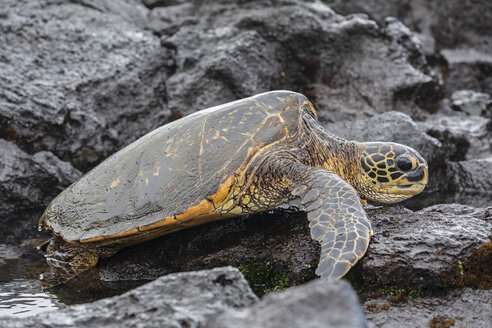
x=263, y=278
x=475, y=271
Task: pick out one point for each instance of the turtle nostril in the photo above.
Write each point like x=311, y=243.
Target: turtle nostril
x=404, y=164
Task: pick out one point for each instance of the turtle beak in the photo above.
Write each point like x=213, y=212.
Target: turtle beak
x=417, y=180
x=408, y=189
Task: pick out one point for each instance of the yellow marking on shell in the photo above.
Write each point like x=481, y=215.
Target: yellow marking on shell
x=119, y=235
x=218, y=136
x=200, y=152
x=147, y=182
x=202, y=208
x=140, y=173
x=114, y=183
x=203, y=211
x=91, y=240
x=156, y=173
x=169, y=222
x=201, y=219
x=311, y=108
x=222, y=192
x=173, y=152
x=99, y=204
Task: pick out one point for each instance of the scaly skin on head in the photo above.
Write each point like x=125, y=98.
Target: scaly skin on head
x=381, y=172
x=392, y=172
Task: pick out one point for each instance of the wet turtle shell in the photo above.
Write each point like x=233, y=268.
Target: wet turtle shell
x=175, y=174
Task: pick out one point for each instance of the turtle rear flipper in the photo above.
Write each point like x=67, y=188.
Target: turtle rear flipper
x=66, y=262
x=336, y=218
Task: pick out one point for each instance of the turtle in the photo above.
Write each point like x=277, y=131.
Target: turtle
x=243, y=157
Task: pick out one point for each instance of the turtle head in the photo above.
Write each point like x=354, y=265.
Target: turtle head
x=390, y=172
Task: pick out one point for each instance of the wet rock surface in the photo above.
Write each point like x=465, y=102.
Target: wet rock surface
x=472, y=175
x=264, y=45
x=178, y=300
x=51, y=96
x=453, y=34
x=26, y=183
x=472, y=103
x=213, y=298
x=422, y=250
x=457, y=308
x=81, y=79
x=321, y=303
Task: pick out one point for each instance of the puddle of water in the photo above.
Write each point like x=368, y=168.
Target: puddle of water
x=21, y=293
x=22, y=298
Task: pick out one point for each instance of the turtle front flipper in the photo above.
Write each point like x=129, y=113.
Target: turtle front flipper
x=336, y=218
x=66, y=262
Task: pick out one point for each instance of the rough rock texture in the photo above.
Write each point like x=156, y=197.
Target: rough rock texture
x=92, y=83
x=468, y=69
x=420, y=250
x=321, y=303
x=178, y=300
x=292, y=45
x=455, y=35
x=472, y=175
x=463, y=307
x=26, y=182
x=472, y=103
x=464, y=137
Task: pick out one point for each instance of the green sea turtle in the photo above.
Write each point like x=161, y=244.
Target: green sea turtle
x=243, y=157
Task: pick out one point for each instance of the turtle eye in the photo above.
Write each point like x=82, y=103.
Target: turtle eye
x=404, y=164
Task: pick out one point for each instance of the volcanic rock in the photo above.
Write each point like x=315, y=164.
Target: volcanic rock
x=179, y=300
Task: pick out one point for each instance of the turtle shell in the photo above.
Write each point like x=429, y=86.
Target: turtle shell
x=174, y=173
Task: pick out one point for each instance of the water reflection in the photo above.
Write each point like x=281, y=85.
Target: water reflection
x=21, y=294
x=22, y=298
